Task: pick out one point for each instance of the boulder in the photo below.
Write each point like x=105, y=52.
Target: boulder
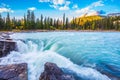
x=53, y=72
x=13, y=72
x=6, y=46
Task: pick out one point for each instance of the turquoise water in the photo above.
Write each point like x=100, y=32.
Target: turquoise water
x=86, y=55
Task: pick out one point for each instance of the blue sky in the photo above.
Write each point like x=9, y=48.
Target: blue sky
x=56, y=8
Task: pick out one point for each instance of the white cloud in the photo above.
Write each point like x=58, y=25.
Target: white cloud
x=32, y=8
x=89, y=9
x=58, y=4
x=54, y=6
x=67, y=3
x=96, y=4
x=64, y=8
x=75, y=6
x=44, y=0
x=5, y=10
x=55, y=2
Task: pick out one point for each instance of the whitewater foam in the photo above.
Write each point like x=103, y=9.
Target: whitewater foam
x=35, y=58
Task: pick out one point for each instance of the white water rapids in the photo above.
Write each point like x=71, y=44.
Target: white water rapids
x=34, y=54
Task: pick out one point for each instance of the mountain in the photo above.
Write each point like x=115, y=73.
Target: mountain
x=114, y=14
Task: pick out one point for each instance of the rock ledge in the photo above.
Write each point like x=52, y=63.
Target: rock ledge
x=13, y=72
x=53, y=72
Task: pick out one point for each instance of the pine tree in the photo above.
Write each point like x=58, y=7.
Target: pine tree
x=33, y=26
x=41, y=22
x=63, y=21
x=28, y=19
x=13, y=23
x=38, y=23
x=25, y=22
x=8, y=22
x=1, y=23
x=48, y=23
x=67, y=23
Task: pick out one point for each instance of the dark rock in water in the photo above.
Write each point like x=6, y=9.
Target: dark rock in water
x=13, y=72
x=53, y=72
x=6, y=46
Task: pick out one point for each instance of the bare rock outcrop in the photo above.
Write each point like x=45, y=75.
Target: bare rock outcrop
x=13, y=72
x=53, y=72
x=6, y=46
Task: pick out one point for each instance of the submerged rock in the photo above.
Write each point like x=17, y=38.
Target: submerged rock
x=53, y=72
x=13, y=72
x=6, y=46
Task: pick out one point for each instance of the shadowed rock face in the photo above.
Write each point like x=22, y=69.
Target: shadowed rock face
x=13, y=72
x=6, y=46
x=53, y=72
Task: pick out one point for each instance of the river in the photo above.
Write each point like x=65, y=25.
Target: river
x=86, y=55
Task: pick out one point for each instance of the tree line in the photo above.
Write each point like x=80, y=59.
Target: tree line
x=30, y=22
